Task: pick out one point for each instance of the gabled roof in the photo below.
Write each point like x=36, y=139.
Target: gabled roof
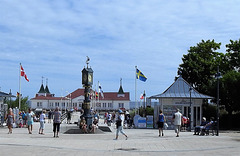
x=114, y=96
x=78, y=92
x=180, y=89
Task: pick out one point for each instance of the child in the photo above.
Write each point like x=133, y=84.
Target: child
x=20, y=125
x=42, y=121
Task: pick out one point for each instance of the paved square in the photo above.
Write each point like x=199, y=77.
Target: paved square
x=140, y=142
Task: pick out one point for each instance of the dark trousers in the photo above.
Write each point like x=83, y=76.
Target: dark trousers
x=56, y=126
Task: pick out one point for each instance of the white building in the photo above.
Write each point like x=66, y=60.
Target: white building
x=111, y=101
x=45, y=100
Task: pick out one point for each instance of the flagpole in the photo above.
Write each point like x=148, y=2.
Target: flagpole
x=98, y=92
x=95, y=97
x=135, y=90
x=19, y=100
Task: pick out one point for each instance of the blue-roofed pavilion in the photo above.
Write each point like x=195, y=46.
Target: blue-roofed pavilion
x=178, y=96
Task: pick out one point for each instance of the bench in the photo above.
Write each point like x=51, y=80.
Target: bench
x=211, y=128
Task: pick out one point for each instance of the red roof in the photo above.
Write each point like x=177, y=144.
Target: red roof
x=107, y=95
x=76, y=93
x=49, y=98
x=80, y=92
x=114, y=96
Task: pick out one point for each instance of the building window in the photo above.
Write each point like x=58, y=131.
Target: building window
x=121, y=105
x=80, y=105
x=56, y=104
x=110, y=105
x=39, y=104
x=50, y=105
x=104, y=105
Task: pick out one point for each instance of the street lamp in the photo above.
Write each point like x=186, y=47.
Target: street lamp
x=190, y=110
x=218, y=76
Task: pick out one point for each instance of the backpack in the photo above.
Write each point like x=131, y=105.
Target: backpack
x=119, y=122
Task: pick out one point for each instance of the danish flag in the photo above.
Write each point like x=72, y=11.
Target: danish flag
x=23, y=73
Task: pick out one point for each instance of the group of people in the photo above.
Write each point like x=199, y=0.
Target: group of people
x=26, y=117
x=109, y=118
x=179, y=120
x=204, y=127
x=29, y=116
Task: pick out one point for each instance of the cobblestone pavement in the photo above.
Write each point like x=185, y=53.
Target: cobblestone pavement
x=140, y=142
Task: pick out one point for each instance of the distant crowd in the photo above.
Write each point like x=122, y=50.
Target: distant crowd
x=120, y=119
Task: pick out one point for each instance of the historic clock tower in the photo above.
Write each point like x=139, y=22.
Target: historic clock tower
x=87, y=81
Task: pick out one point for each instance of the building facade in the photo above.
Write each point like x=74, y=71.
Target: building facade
x=180, y=95
x=110, y=101
x=45, y=100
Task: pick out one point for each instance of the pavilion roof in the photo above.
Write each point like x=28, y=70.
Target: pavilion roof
x=181, y=89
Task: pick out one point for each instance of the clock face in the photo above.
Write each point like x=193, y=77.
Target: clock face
x=84, y=78
x=89, y=78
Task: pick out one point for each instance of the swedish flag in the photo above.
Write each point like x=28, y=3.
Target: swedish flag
x=140, y=76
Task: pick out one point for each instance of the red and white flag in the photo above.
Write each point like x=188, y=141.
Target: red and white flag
x=23, y=73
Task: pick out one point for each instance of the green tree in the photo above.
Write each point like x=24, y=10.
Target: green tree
x=200, y=64
x=15, y=103
x=229, y=91
x=233, y=54
x=199, y=67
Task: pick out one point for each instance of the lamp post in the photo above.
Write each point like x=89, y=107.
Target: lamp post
x=190, y=110
x=218, y=76
x=144, y=107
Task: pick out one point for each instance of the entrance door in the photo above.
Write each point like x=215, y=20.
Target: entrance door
x=196, y=115
x=186, y=111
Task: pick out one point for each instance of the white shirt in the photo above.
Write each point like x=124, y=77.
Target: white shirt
x=178, y=118
x=42, y=117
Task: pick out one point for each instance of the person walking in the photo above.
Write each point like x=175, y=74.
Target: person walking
x=177, y=117
x=56, y=122
x=119, y=123
x=30, y=116
x=42, y=122
x=10, y=120
x=161, y=119
x=24, y=118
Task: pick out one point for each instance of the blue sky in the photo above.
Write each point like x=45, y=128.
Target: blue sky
x=51, y=38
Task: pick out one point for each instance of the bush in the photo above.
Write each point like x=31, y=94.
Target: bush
x=230, y=122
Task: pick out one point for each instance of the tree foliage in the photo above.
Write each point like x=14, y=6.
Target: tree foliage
x=15, y=103
x=200, y=66
x=233, y=54
x=229, y=91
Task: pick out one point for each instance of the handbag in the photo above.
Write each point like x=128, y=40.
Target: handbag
x=165, y=125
